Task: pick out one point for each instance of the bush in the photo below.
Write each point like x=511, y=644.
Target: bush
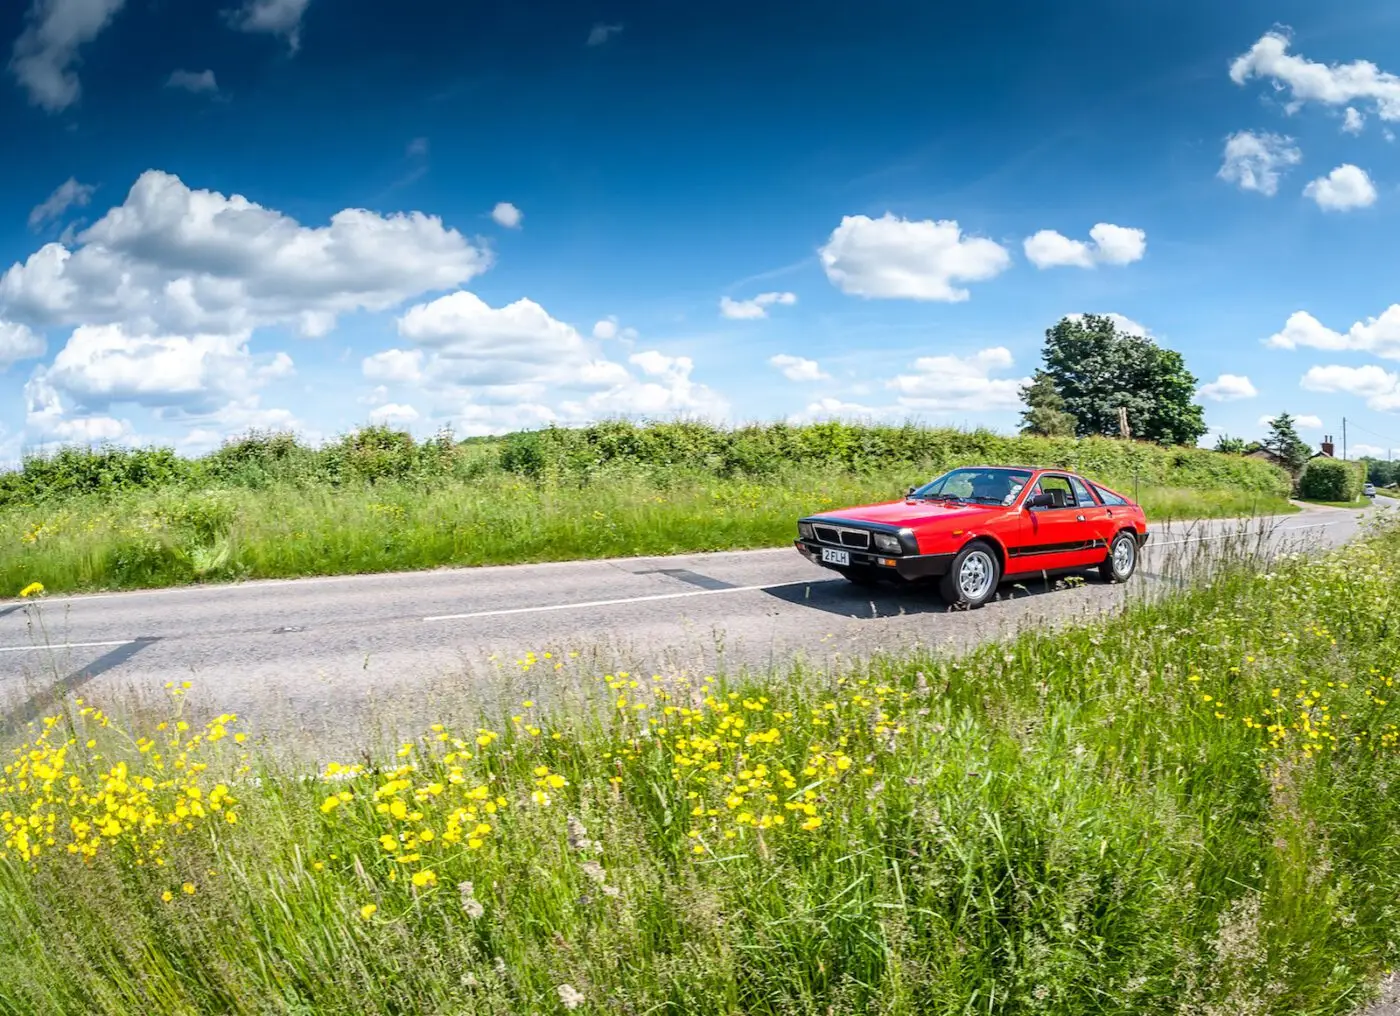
x=1330, y=480
x=760, y=450
x=377, y=455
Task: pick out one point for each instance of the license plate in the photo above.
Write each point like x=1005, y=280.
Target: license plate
x=830, y=556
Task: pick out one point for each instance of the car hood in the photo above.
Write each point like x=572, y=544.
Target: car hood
x=913, y=513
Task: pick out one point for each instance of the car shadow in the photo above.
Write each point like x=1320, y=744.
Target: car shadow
x=837, y=596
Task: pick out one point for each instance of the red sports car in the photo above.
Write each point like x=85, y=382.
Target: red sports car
x=975, y=526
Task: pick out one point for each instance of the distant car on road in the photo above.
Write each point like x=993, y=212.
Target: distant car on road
x=975, y=526
x=1369, y=490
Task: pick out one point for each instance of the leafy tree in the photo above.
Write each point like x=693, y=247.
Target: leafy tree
x=1096, y=368
x=1283, y=441
x=1381, y=472
x=1230, y=445
x=1045, y=414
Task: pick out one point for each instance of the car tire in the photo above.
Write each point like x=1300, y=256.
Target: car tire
x=973, y=577
x=864, y=577
x=1122, y=557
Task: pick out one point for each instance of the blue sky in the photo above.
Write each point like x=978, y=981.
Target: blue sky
x=293, y=213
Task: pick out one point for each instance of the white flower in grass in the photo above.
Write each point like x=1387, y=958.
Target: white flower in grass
x=570, y=996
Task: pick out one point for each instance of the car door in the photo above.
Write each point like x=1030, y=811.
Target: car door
x=1098, y=517
x=1054, y=537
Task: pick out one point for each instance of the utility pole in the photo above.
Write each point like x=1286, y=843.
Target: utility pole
x=1344, y=438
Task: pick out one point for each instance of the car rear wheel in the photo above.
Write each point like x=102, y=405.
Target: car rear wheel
x=1122, y=558
x=973, y=577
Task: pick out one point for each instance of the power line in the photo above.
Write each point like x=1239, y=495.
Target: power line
x=1390, y=443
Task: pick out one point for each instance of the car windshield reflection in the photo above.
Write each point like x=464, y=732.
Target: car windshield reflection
x=975, y=485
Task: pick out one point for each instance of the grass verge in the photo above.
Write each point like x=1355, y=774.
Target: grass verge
x=173, y=537
x=1185, y=809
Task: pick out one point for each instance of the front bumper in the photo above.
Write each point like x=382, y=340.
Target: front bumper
x=906, y=566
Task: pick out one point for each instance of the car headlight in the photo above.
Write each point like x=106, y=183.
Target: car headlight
x=804, y=530
x=888, y=543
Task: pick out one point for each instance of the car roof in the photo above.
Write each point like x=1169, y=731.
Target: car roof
x=1024, y=469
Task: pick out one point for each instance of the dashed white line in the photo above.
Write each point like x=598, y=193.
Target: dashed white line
x=610, y=603
x=68, y=645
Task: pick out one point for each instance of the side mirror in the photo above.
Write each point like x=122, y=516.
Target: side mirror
x=910, y=492
x=1040, y=501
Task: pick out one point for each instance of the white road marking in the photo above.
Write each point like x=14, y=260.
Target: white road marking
x=612, y=603
x=686, y=594
x=68, y=645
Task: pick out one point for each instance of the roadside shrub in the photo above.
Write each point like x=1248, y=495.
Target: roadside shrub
x=105, y=469
x=1330, y=480
x=259, y=458
x=604, y=451
x=759, y=450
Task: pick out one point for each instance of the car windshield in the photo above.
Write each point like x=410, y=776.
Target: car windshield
x=983, y=486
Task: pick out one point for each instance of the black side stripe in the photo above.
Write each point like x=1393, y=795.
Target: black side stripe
x=1056, y=548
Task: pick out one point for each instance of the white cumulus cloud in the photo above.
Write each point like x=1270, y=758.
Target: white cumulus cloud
x=1353, y=122
x=394, y=414
x=192, y=81
x=1343, y=189
x=506, y=214
x=47, y=50
x=1126, y=325
x=1309, y=81
x=1303, y=422
x=47, y=421
x=745, y=310
x=1228, y=388
x=960, y=383
x=798, y=368
x=895, y=258
x=609, y=329
x=1109, y=245
x=1379, y=336
x=1379, y=387
x=271, y=17
x=491, y=369
x=601, y=33
x=830, y=408
x=18, y=343
x=69, y=194
x=172, y=259
x=102, y=365
x=1255, y=162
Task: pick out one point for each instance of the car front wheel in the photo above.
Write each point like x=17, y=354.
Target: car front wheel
x=1122, y=558
x=973, y=577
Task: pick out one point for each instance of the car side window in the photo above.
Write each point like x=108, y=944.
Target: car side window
x=1051, y=484
x=1081, y=492
x=1107, y=498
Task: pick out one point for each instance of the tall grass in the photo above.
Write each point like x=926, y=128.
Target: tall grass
x=176, y=537
x=266, y=507
x=1186, y=809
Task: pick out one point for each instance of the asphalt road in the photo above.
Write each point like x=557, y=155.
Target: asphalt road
x=318, y=646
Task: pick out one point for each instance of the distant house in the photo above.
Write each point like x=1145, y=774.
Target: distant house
x=1266, y=455
x=1328, y=451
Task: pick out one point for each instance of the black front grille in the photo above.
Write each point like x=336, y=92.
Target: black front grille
x=857, y=538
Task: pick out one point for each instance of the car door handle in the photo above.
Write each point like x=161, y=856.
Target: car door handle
x=1079, y=518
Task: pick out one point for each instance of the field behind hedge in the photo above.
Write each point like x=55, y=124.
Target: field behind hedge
x=267, y=506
